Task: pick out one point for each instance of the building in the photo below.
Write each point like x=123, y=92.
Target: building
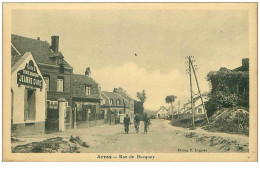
x=56, y=72
x=129, y=102
x=62, y=85
x=113, y=106
x=162, y=113
x=28, y=96
x=86, y=96
x=198, y=107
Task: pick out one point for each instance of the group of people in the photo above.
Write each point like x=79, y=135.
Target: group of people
x=137, y=120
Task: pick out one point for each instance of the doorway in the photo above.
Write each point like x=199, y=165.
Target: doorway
x=30, y=105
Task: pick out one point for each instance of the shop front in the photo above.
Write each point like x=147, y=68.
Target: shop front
x=28, y=91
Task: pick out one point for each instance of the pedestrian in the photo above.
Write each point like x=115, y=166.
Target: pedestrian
x=126, y=124
x=137, y=122
x=146, y=122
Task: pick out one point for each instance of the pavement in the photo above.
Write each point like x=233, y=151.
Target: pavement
x=161, y=138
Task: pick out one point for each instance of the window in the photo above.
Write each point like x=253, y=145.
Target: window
x=111, y=101
x=88, y=89
x=60, y=84
x=199, y=110
x=47, y=80
x=102, y=101
x=52, y=104
x=118, y=102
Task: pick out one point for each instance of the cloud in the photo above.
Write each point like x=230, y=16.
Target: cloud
x=134, y=78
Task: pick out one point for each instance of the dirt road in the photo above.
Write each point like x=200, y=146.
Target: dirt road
x=161, y=137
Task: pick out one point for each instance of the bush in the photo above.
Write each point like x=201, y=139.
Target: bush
x=229, y=88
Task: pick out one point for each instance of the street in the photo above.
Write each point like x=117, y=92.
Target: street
x=161, y=138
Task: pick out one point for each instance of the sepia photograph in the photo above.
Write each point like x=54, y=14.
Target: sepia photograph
x=130, y=82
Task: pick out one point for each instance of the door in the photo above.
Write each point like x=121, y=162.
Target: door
x=30, y=105
x=52, y=121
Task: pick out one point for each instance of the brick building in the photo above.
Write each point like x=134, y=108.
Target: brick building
x=79, y=91
x=86, y=100
x=55, y=70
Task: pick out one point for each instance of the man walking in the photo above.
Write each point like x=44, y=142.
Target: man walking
x=126, y=123
x=146, y=122
x=137, y=122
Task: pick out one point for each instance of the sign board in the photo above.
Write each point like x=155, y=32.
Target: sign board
x=29, y=76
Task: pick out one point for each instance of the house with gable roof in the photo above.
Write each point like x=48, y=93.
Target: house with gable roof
x=129, y=102
x=198, y=107
x=80, y=92
x=113, y=105
x=86, y=96
x=28, y=96
x=162, y=113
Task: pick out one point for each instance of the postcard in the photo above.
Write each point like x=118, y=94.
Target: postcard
x=135, y=82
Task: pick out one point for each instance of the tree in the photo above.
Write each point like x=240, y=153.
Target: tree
x=170, y=99
x=138, y=107
x=142, y=97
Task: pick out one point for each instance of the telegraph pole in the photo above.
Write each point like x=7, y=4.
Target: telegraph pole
x=191, y=93
x=199, y=92
x=179, y=110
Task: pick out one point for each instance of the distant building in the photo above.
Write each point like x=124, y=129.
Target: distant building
x=28, y=95
x=162, y=113
x=113, y=105
x=129, y=102
x=198, y=107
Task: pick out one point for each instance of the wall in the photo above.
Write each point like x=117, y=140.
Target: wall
x=54, y=72
x=19, y=122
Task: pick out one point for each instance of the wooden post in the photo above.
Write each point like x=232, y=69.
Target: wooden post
x=191, y=95
x=172, y=111
x=200, y=92
x=179, y=110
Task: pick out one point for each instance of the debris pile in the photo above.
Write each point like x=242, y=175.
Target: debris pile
x=220, y=143
x=52, y=145
x=229, y=120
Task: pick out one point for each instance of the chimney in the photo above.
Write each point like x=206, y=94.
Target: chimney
x=115, y=90
x=88, y=71
x=245, y=64
x=38, y=38
x=55, y=43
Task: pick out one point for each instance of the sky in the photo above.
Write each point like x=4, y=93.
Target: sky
x=142, y=49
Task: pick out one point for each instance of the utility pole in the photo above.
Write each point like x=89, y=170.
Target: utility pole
x=199, y=92
x=191, y=93
x=179, y=110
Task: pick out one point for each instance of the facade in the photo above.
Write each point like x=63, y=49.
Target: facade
x=79, y=93
x=56, y=72
x=198, y=107
x=113, y=106
x=162, y=113
x=28, y=92
x=129, y=102
x=86, y=98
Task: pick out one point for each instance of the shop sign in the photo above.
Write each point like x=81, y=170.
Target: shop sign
x=29, y=76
